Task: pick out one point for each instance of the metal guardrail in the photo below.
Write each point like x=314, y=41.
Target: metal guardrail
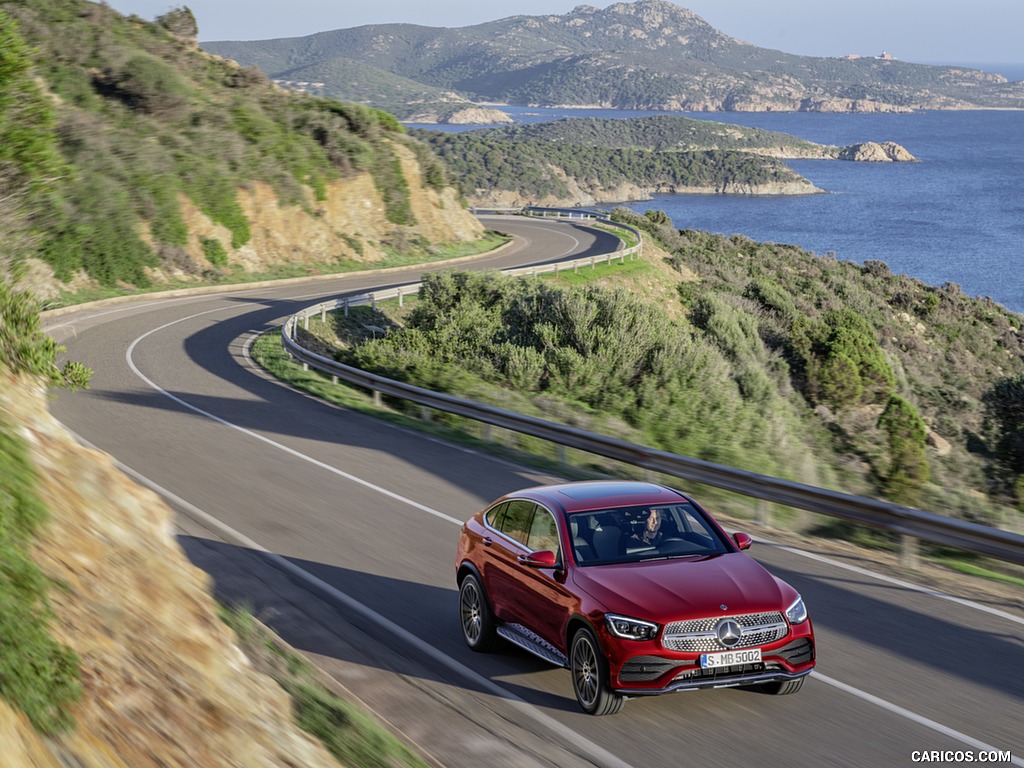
x=912, y=524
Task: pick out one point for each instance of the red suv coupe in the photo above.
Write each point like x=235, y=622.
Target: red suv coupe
x=631, y=586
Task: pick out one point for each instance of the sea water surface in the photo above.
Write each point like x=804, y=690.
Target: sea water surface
x=956, y=216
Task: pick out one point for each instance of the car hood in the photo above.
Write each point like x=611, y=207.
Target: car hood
x=666, y=590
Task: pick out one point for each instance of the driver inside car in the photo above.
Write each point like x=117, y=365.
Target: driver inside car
x=651, y=533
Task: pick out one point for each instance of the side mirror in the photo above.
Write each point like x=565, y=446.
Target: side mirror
x=743, y=540
x=545, y=558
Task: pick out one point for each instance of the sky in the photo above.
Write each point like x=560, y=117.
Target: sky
x=929, y=31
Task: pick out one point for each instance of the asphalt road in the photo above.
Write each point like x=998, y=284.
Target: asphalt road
x=352, y=523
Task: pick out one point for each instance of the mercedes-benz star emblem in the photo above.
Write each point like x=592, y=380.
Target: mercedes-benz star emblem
x=729, y=632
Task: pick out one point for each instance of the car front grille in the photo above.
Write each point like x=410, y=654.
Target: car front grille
x=699, y=635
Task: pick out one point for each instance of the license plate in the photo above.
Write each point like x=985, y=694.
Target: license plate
x=730, y=658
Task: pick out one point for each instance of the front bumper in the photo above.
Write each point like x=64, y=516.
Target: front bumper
x=650, y=675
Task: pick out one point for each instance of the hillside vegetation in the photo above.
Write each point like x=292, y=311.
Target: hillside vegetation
x=780, y=361
x=140, y=157
x=588, y=160
x=647, y=54
x=498, y=168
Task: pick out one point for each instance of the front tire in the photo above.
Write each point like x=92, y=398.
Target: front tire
x=589, y=670
x=475, y=617
x=784, y=687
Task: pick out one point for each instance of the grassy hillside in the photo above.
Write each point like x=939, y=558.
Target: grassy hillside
x=115, y=124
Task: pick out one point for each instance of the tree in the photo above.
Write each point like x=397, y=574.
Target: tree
x=1004, y=421
x=908, y=465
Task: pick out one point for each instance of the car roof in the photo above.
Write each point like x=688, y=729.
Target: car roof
x=598, y=494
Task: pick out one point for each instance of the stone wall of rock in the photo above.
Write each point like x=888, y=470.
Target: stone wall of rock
x=164, y=683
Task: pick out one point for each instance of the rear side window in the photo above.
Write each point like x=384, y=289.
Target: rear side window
x=516, y=521
x=495, y=515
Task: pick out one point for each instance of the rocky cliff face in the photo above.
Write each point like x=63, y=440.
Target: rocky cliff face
x=164, y=683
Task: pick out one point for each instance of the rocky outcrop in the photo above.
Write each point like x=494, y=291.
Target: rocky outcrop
x=477, y=116
x=872, y=152
x=164, y=683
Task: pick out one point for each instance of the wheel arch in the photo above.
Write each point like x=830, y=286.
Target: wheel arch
x=576, y=622
x=464, y=570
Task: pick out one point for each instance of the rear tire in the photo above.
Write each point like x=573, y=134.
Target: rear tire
x=475, y=617
x=589, y=670
x=784, y=687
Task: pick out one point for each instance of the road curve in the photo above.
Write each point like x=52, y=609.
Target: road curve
x=358, y=520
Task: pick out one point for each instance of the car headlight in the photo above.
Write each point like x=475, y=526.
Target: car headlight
x=797, y=612
x=630, y=629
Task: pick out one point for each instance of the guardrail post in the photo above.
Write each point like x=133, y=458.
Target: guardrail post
x=593, y=261
x=373, y=301
x=763, y=513
x=399, y=296
x=908, y=552
x=485, y=432
x=377, y=401
x=323, y=313
x=562, y=453
x=424, y=413
x=334, y=379
x=305, y=322
x=346, y=307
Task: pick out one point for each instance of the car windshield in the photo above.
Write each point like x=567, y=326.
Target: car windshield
x=632, y=534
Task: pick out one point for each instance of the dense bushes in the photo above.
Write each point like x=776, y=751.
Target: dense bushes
x=609, y=354
x=842, y=362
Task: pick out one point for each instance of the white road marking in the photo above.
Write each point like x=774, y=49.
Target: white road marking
x=267, y=440
x=963, y=738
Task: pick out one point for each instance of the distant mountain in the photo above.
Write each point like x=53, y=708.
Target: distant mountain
x=649, y=54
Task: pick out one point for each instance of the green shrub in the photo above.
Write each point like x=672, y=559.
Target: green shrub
x=25, y=348
x=148, y=84
x=37, y=675
x=214, y=251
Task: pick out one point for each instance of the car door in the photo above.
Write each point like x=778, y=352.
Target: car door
x=543, y=601
x=510, y=527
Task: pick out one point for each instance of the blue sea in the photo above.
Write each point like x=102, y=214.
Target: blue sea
x=957, y=216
